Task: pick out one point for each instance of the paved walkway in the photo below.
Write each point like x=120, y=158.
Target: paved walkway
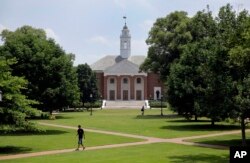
x=147, y=140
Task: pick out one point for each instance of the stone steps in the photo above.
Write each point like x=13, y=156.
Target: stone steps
x=124, y=104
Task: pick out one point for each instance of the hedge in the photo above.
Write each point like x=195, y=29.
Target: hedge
x=157, y=104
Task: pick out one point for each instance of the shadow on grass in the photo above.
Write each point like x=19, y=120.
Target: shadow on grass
x=199, y=158
x=232, y=142
x=63, y=117
x=200, y=127
x=14, y=150
x=23, y=133
x=170, y=116
x=191, y=121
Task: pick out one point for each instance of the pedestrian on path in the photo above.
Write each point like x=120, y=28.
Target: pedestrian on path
x=142, y=110
x=81, y=135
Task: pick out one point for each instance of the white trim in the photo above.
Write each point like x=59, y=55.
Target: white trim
x=128, y=74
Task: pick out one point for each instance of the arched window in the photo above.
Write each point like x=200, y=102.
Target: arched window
x=125, y=81
x=125, y=45
x=112, y=81
x=138, y=80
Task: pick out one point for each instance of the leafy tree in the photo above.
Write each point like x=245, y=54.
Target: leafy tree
x=195, y=87
x=187, y=83
x=207, y=73
x=87, y=83
x=217, y=89
x=49, y=70
x=166, y=40
x=242, y=104
x=15, y=107
x=239, y=63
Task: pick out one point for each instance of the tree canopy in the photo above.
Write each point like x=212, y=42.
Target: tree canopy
x=87, y=83
x=204, y=61
x=15, y=106
x=166, y=40
x=52, y=80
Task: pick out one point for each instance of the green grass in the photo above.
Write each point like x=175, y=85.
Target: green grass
x=226, y=140
x=131, y=121
x=153, y=153
x=54, y=138
x=125, y=121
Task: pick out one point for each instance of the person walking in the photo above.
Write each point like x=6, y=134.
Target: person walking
x=81, y=135
x=142, y=110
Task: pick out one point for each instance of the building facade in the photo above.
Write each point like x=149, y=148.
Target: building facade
x=119, y=77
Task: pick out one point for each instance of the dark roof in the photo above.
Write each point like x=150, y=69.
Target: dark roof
x=109, y=61
x=123, y=66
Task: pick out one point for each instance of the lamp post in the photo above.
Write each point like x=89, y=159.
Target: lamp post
x=91, y=103
x=161, y=105
x=150, y=98
x=101, y=101
x=1, y=96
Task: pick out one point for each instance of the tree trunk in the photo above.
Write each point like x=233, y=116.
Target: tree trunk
x=243, y=132
x=212, y=122
x=50, y=111
x=195, y=117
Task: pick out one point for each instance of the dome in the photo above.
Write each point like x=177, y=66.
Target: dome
x=125, y=26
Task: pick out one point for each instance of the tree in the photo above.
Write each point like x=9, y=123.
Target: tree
x=196, y=87
x=208, y=75
x=242, y=104
x=239, y=63
x=184, y=83
x=49, y=70
x=87, y=83
x=188, y=85
x=15, y=107
x=217, y=90
x=166, y=40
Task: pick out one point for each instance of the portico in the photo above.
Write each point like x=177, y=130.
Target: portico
x=125, y=87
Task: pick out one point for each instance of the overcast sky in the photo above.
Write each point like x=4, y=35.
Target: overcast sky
x=90, y=29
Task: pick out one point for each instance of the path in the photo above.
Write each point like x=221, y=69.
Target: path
x=147, y=140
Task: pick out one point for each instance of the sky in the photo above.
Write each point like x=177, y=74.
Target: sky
x=91, y=29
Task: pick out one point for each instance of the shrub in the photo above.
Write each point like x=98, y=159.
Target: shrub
x=40, y=115
x=52, y=117
x=96, y=104
x=157, y=104
x=28, y=127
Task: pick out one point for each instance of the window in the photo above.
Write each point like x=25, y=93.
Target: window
x=138, y=80
x=125, y=45
x=125, y=80
x=112, y=81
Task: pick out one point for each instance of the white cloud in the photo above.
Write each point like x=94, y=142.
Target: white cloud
x=120, y=3
x=145, y=4
x=99, y=40
x=147, y=25
x=2, y=27
x=51, y=34
x=139, y=47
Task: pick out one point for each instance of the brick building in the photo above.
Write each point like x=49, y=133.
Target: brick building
x=119, y=78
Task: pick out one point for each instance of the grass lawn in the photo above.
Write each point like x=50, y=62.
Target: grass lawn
x=151, y=124
x=227, y=140
x=152, y=153
x=125, y=121
x=54, y=138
